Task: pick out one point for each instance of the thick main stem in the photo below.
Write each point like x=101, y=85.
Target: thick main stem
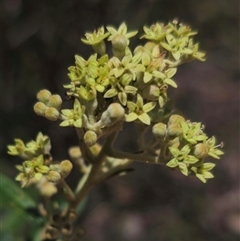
x=91, y=179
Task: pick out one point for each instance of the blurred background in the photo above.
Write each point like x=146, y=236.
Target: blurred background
x=39, y=40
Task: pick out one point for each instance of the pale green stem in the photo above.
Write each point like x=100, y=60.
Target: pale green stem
x=113, y=170
x=162, y=155
x=90, y=179
x=67, y=190
x=136, y=157
x=82, y=181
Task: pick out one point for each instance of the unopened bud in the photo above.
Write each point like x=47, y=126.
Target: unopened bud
x=72, y=216
x=159, y=131
x=40, y=108
x=174, y=129
x=90, y=138
x=113, y=113
x=52, y=114
x=67, y=230
x=175, y=119
x=65, y=167
x=55, y=101
x=120, y=42
x=53, y=176
x=74, y=152
x=44, y=95
x=201, y=150
x=52, y=233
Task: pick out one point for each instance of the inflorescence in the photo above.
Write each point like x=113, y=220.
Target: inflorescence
x=125, y=86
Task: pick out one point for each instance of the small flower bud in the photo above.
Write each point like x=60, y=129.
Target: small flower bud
x=113, y=113
x=55, y=101
x=174, y=129
x=72, y=216
x=46, y=188
x=52, y=114
x=65, y=167
x=40, y=108
x=175, y=119
x=201, y=150
x=120, y=42
x=52, y=233
x=53, y=176
x=54, y=166
x=159, y=131
x=74, y=152
x=90, y=138
x=44, y=96
x=67, y=230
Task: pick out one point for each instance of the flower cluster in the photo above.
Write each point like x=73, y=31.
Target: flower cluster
x=188, y=146
x=136, y=80
x=38, y=161
x=48, y=105
x=129, y=85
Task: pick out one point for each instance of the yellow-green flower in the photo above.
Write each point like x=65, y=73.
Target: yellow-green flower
x=34, y=168
x=120, y=39
x=96, y=39
x=213, y=148
x=32, y=149
x=203, y=172
x=122, y=30
x=156, y=32
x=193, y=132
x=176, y=46
x=182, y=159
x=139, y=110
x=141, y=53
x=73, y=117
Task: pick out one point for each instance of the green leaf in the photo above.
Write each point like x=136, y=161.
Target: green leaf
x=14, y=196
